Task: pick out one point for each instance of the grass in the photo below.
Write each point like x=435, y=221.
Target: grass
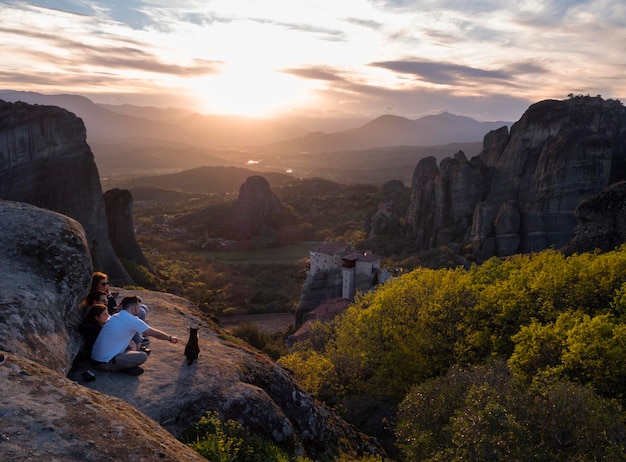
x=287, y=254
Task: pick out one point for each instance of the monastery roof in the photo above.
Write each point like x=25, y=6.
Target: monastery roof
x=330, y=248
x=329, y=308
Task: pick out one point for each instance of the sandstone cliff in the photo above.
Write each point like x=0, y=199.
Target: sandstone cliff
x=520, y=193
x=44, y=273
x=45, y=161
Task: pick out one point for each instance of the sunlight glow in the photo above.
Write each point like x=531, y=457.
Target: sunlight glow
x=242, y=91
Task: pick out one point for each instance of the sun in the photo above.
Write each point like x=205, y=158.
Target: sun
x=251, y=94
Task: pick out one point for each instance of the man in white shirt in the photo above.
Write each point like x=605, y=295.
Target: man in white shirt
x=111, y=351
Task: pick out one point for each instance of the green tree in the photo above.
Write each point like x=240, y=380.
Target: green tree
x=482, y=414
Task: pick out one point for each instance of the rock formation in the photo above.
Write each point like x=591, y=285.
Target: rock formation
x=601, y=221
x=318, y=286
x=45, y=161
x=44, y=273
x=255, y=209
x=386, y=221
x=520, y=193
x=119, y=212
x=257, y=213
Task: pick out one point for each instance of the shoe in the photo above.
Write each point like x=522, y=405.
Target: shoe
x=134, y=371
x=3, y=358
x=145, y=341
x=145, y=349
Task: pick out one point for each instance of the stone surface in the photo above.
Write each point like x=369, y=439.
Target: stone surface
x=45, y=416
x=318, y=286
x=44, y=272
x=45, y=161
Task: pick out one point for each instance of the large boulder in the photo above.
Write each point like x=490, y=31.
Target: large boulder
x=45, y=272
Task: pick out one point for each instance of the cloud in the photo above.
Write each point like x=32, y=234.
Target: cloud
x=315, y=73
x=368, y=23
x=113, y=53
x=440, y=73
x=65, y=6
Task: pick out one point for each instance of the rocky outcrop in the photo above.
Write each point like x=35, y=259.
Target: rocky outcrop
x=45, y=161
x=601, y=221
x=119, y=212
x=45, y=271
x=443, y=199
x=44, y=414
x=324, y=284
x=520, y=193
x=256, y=207
x=385, y=222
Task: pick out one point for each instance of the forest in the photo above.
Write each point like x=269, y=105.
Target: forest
x=516, y=359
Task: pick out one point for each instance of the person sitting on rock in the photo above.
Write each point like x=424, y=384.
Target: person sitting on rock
x=91, y=326
x=96, y=296
x=100, y=281
x=110, y=351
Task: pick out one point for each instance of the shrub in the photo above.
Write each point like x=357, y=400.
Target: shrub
x=230, y=441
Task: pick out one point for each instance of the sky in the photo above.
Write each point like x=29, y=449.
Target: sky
x=485, y=59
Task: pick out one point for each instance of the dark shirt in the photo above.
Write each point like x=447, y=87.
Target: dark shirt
x=89, y=331
x=112, y=304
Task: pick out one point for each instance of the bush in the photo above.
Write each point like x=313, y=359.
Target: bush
x=229, y=441
x=251, y=334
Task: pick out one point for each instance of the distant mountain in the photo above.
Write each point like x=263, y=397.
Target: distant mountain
x=131, y=141
x=390, y=130
x=149, y=112
x=103, y=125
x=113, y=124
x=109, y=124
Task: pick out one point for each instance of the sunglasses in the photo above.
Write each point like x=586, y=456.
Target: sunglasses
x=104, y=283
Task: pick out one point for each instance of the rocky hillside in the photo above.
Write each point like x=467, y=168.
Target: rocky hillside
x=519, y=195
x=48, y=412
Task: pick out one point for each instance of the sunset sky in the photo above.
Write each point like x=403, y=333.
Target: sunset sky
x=486, y=59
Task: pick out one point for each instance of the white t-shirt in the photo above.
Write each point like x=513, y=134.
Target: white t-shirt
x=115, y=335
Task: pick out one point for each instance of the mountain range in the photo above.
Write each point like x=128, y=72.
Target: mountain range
x=130, y=140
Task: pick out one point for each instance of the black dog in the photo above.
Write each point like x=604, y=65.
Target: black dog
x=192, y=350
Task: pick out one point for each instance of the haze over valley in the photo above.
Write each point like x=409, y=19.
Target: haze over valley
x=130, y=142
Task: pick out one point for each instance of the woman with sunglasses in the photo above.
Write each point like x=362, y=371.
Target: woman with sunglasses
x=100, y=281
